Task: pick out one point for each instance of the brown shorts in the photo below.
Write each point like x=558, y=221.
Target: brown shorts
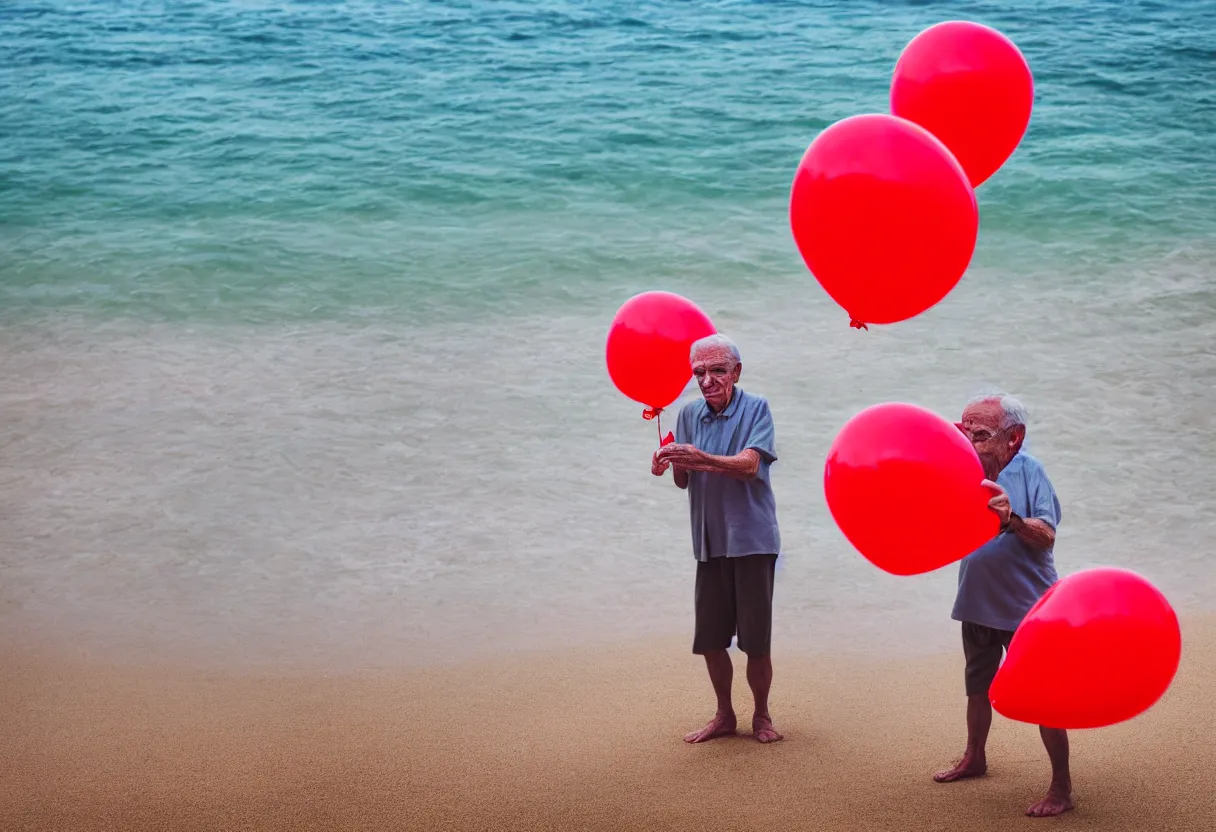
x=735, y=595
x=983, y=646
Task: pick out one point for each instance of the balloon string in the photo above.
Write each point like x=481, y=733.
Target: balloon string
x=654, y=413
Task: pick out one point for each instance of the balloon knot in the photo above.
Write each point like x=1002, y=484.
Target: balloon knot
x=651, y=412
x=856, y=324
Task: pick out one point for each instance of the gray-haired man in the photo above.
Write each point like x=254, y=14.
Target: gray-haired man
x=999, y=582
x=722, y=453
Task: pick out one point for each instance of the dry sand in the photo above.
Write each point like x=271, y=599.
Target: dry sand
x=568, y=740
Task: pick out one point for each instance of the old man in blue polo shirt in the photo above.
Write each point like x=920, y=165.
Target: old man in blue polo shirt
x=999, y=582
x=723, y=450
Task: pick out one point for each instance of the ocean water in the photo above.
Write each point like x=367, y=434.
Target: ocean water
x=302, y=309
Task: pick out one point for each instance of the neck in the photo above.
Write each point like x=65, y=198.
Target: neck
x=994, y=467
x=725, y=404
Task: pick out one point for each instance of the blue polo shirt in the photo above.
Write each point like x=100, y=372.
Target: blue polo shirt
x=731, y=517
x=999, y=582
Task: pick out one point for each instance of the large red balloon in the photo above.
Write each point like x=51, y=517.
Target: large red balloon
x=970, y=86
x=648, y=344
x=883, y=216
x=903, y=485
x=1101, y=646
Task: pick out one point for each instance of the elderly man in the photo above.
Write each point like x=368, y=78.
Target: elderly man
x=723, y=450
x=999, y=582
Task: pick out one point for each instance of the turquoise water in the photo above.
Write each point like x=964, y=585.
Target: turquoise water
x=302, y=309
x=268, y=161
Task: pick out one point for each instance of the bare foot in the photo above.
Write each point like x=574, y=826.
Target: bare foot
x=964, y=769
x=763, y=730
x=1057, y=802
x=722, y=725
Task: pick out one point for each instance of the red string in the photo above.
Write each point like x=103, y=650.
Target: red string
x=654, y=413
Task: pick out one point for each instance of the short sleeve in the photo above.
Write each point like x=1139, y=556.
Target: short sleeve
x=1044, y=504
x=762, y=437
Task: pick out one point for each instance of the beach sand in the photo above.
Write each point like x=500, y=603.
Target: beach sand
x=576, y=739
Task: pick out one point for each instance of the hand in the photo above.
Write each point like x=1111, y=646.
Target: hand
x=658, y=467
x=677, y=454
x=999, y=504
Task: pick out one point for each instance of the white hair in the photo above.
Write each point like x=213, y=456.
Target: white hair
x=1013, y=411
x=717, y=341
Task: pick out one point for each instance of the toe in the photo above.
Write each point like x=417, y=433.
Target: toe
x=949, y=775
x=767, y=735
x=1048, y=807
x=1039, y=810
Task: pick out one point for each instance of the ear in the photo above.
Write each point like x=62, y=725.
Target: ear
x=1016, y=437
x=738, y=371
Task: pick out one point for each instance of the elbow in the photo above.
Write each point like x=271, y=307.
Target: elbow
x=746, y=474
x=1047, y=534
x=1046, y=537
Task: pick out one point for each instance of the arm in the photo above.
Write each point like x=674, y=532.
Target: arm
x=684, y=458
x=745, y=465
x=1037, y=534
x=742, y=465
x=1039, y=530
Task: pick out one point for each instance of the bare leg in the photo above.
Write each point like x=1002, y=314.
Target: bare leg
x=721, y=675
x=973, y=763
x=760, y=679
x=1059, y=794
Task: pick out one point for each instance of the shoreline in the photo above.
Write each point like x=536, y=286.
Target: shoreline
x=584, y=738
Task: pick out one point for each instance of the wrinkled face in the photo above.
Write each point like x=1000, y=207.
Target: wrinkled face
x=716, y=372
x=981, y=423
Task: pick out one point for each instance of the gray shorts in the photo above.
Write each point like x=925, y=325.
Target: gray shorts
x=983, y=647
x=735, y=595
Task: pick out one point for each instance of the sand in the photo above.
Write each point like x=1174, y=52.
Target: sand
x=582, y=739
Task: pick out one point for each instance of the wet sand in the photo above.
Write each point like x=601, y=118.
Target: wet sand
x=570, y=739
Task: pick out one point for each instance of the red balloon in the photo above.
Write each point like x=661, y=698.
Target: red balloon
x=883, y=216
x=903, y=485
x=648, y=344
x=1101, y=646
x=971, y=87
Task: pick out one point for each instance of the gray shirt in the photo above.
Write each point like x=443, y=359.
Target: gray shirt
x=999, y=582
x=731, y=517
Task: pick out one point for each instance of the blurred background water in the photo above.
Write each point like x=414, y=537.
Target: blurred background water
x=302, y=309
